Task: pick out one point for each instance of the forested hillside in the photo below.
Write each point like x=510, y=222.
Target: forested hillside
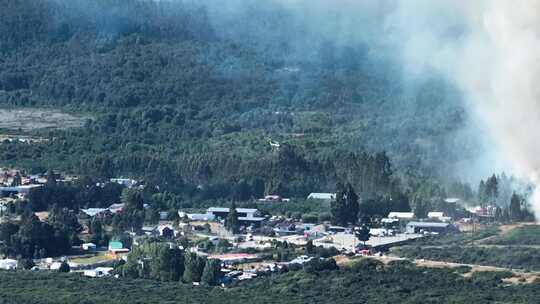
x=183, y=98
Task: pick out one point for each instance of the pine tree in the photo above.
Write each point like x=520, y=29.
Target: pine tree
x=17, y=180
x=96, y=230
x=362, y=234
x=211, y=272
x=132, y=199
x=189, y=267
x=231, y=223
x=64, y=267
x=515, y=207
x=482, y=192
x=491, y=189
x=51, y=178
x=498, y=214
x=339, y=206
x=310, y=248
x=193, y=267
x=351, y=205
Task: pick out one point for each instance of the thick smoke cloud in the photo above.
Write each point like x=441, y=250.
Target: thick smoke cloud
x=491, y=51
x=503, y=55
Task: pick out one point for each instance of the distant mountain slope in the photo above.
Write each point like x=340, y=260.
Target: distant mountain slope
x=183, y=98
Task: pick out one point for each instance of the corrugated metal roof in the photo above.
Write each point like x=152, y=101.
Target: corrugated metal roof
x=407, y=215
x=428, y=224
x=251, y=219
x=222, y=209
x=323, y=196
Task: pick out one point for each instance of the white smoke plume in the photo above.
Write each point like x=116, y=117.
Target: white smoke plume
x=507, y=92
x=494, y=60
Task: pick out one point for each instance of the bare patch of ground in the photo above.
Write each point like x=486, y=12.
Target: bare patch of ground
x=503, y=229
x=519, y=277
x=32, y=119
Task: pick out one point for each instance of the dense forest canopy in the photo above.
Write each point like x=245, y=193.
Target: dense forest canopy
x=186, y=93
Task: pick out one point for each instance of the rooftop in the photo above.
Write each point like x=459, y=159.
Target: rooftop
x=428, y=224
x=324, y=196
x=407, y=215
x=222, y=209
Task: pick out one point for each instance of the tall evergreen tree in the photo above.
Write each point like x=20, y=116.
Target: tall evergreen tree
x=362, y=234
x=211, y=272
x=17, y=180
x=51, y=177
x=351, y=205
x=515, y=207
x=482, y=192
x=231, y=223
x=491, y=189
x=338, y=207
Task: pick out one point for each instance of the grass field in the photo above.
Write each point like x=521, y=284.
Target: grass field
x=92, y=258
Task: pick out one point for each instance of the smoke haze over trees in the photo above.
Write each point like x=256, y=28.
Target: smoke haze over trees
x=187, y=93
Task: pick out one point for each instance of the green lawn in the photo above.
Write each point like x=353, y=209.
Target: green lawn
x=92, y=258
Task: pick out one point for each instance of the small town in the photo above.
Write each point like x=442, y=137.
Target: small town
x=244, y=242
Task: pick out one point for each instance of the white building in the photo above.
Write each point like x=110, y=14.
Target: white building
x=8, y=264
x=197, y=216
x=438, y=216
x=91, y=212
x=245, y=215
x=55, y=266
x=89, y=247
x=99, y=272
x=322, y=196
x=401, y=215
x=24, y=189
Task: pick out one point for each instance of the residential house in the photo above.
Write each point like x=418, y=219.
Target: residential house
x=322, y=196
x=246, y=216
